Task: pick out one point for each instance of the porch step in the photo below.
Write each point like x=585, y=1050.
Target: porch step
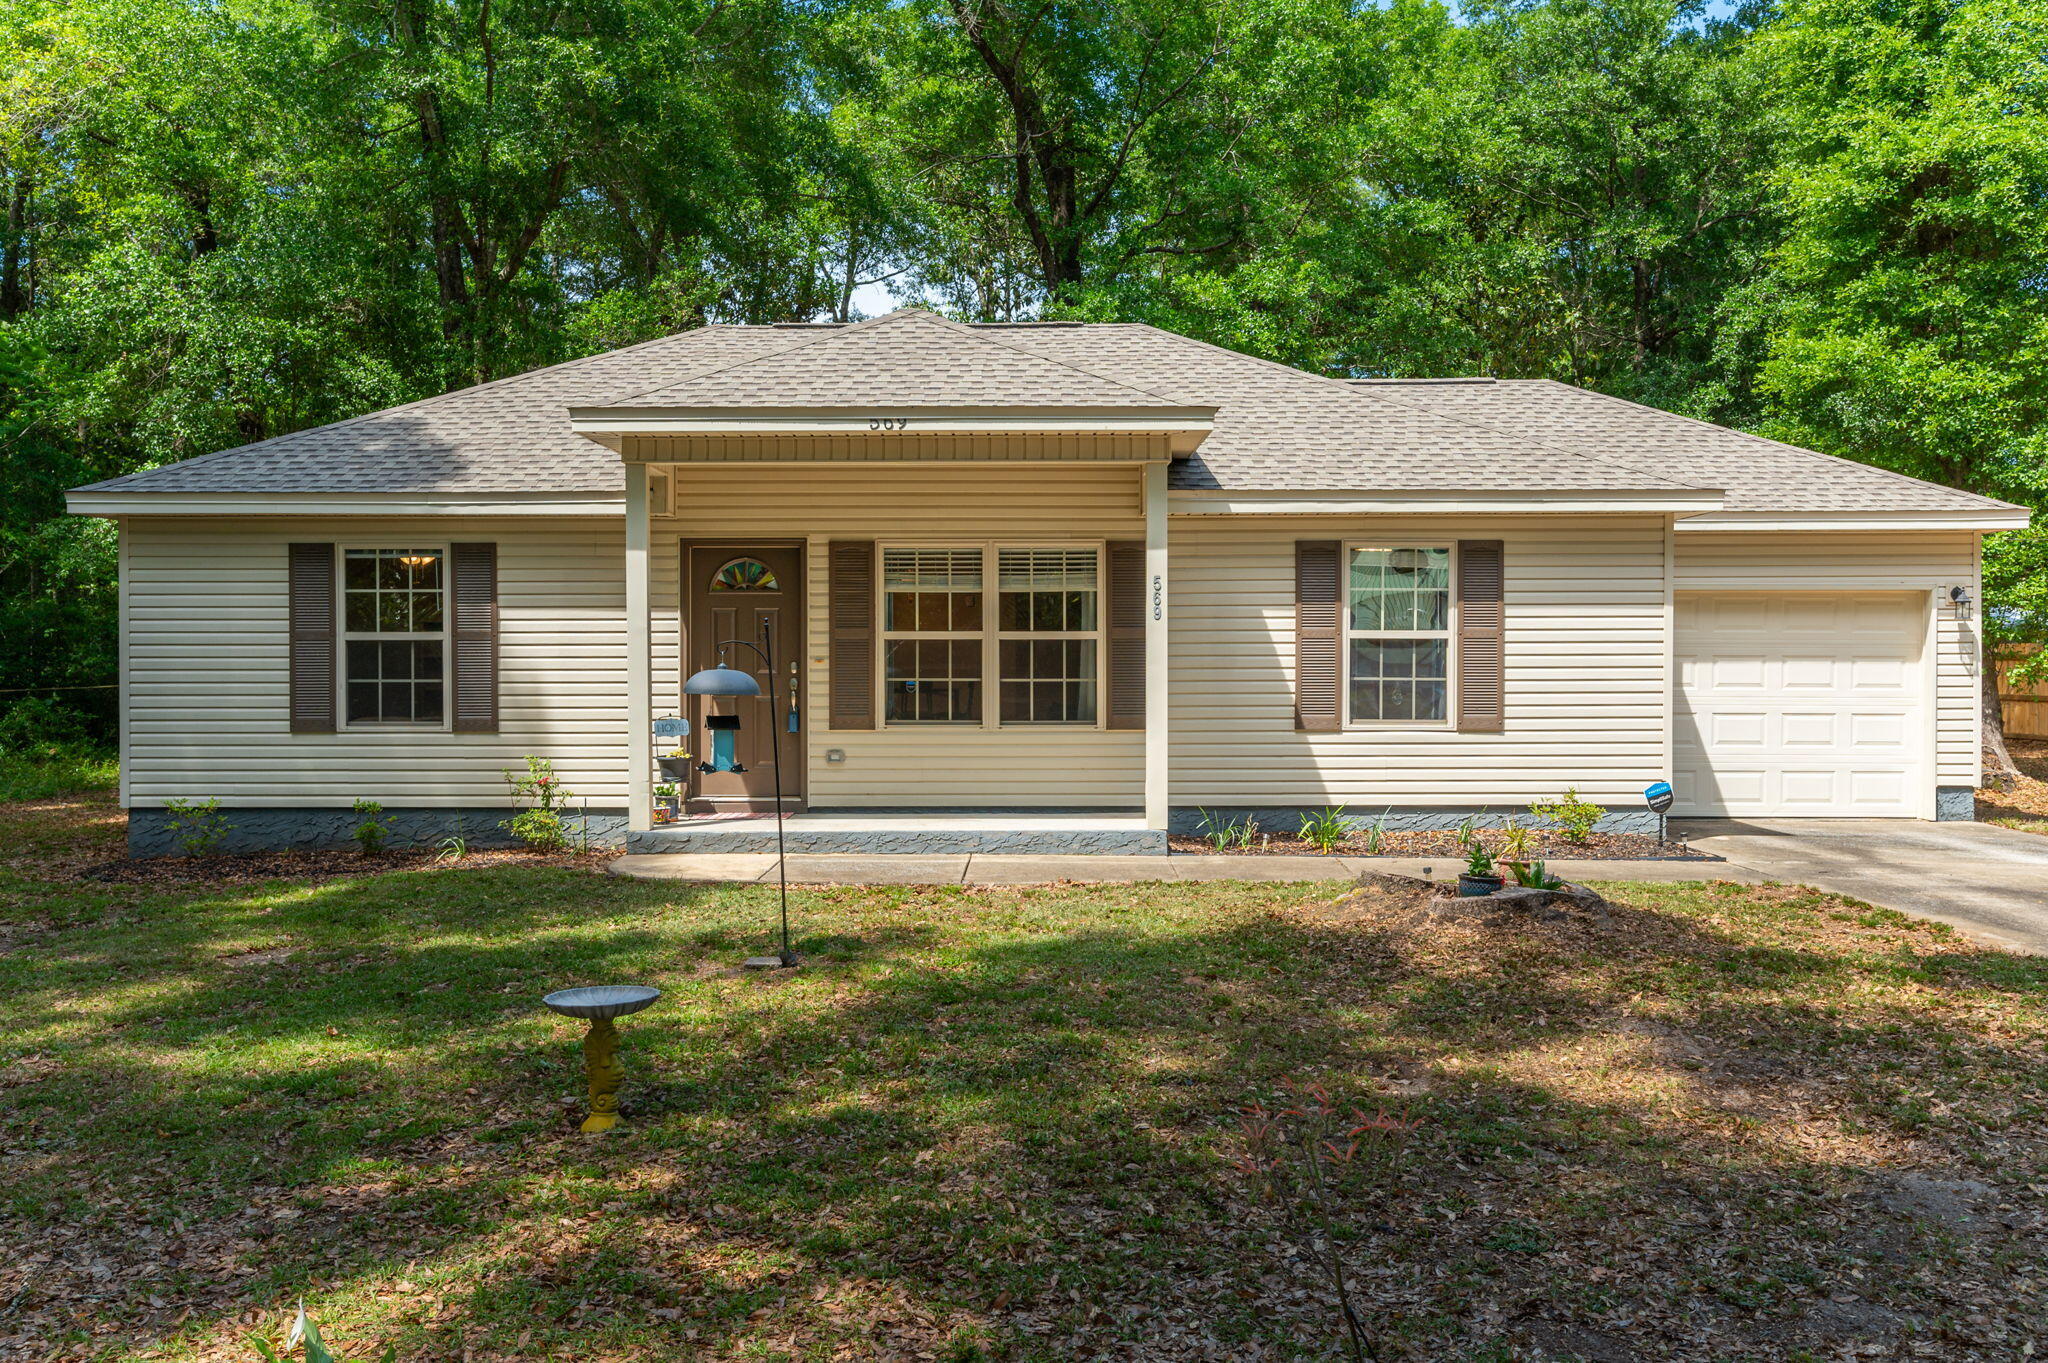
x=935, y=834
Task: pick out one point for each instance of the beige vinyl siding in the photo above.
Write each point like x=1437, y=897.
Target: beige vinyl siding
x=1726, y=560
x=912, y=766
x=207, y=688
x=1586, y=678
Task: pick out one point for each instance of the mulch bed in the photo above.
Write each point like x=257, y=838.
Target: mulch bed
x=255, y=867
x=2024, y=804
x=1443, y=842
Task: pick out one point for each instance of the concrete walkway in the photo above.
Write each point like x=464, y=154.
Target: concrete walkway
x=983, y=868
x=1991, y=882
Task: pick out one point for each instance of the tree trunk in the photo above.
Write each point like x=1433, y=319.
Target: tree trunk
x=2000, y=770
x=14, y=299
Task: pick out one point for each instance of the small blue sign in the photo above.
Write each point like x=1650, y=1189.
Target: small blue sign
x=1658, y=796
x=670, y=726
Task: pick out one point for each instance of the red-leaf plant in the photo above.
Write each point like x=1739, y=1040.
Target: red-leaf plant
x=1293, y=1153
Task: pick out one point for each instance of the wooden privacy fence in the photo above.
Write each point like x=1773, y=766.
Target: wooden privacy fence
x=2024, y=706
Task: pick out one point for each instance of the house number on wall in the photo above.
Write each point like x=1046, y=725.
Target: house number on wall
x=888, y=423
x=1158, y=597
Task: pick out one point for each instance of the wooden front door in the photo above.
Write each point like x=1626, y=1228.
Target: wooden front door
x=753, y=592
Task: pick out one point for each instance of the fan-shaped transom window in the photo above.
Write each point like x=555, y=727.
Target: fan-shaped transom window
x=745, y=575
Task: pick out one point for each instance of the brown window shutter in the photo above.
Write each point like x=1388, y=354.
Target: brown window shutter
x=851, y=624
x=474, y=575
x=1124, y=673
x=1482, y=630
x=1315, y=634
x=310, y=626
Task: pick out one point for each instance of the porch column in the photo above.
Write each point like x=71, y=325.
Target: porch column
x=639, y=658
x=1156, y=689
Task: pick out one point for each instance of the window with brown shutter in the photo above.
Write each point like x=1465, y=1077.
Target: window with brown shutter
x=310, y=630
x=1482, y=659
x=474, y=576
x=1125, y=679
x=850, y=598
x=1315, y=634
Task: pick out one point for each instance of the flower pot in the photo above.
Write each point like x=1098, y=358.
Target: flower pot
x=1475, y=887
x=674, y=768
x=662, y=814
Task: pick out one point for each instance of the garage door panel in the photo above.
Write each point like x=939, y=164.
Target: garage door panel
x=1799, y=704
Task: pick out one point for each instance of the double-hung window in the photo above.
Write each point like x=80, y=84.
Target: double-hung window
x=1047, y=608
x=932, y=632
x=1038, y=634
x=1398, y=634
x=395, y=655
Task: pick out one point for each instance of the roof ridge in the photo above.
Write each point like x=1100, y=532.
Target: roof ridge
x=898, y=315
x=1766, y=440
x=416, y=402
x=825, y=334
x=1345, y=387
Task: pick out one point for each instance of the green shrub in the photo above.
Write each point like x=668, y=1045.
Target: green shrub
x=544, y=830
x=198, y=825
x=1223, y=834
x=1571, y=815
x=37, y=724
x=541, y=826
x=372, y=826
x=39, y=776
x=1533, y=875
x=1326, y=829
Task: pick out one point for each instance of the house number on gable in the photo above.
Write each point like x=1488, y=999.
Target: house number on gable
x=888, y=423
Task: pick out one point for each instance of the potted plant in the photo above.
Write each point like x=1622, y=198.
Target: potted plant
x=1478, y=877
x=667, y=802
x=675, y=764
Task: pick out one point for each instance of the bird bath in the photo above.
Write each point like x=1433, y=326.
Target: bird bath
x=600, y=1004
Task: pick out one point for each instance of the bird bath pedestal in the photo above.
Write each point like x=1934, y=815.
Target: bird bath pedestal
x=600, y=1004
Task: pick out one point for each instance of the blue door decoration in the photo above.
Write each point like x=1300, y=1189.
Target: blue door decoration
x=723, y=729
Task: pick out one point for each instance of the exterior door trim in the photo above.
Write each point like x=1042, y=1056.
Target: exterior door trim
x=795, y=746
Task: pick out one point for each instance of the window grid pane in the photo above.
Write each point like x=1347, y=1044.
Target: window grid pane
x=1400, y=589
x=933, y=680
x=931, y=590
x=1046, y=590
x=394, y=681
x=392, y=591
x=1048, y=681
x=1399, y=679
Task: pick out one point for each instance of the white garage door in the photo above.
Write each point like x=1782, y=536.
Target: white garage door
x=1800, y=704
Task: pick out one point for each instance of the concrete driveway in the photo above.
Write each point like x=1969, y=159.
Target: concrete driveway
x=1991, y=882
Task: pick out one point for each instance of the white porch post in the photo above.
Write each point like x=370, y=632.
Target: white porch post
x=1156, y=690
x=639, y=658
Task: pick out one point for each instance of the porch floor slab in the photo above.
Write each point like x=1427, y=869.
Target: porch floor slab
x=937, y=833
x=998, y=869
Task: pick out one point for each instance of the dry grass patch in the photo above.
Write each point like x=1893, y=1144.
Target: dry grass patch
x=1717, y=1122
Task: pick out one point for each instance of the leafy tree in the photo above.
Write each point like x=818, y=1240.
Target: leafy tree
x=1056, y=147
x=1906, y=310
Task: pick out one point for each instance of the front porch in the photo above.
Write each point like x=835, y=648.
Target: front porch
x=936, y=833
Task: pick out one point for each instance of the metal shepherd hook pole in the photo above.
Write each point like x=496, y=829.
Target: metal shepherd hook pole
x=726, y=681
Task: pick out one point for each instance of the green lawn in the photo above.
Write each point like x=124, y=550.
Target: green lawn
x=994, y=1124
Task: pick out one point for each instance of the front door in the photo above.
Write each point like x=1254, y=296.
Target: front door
x=751, y=592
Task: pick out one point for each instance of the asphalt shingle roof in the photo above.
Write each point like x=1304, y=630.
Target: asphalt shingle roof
x=907, y=359
x=1275, y=429
x=1755, y=473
